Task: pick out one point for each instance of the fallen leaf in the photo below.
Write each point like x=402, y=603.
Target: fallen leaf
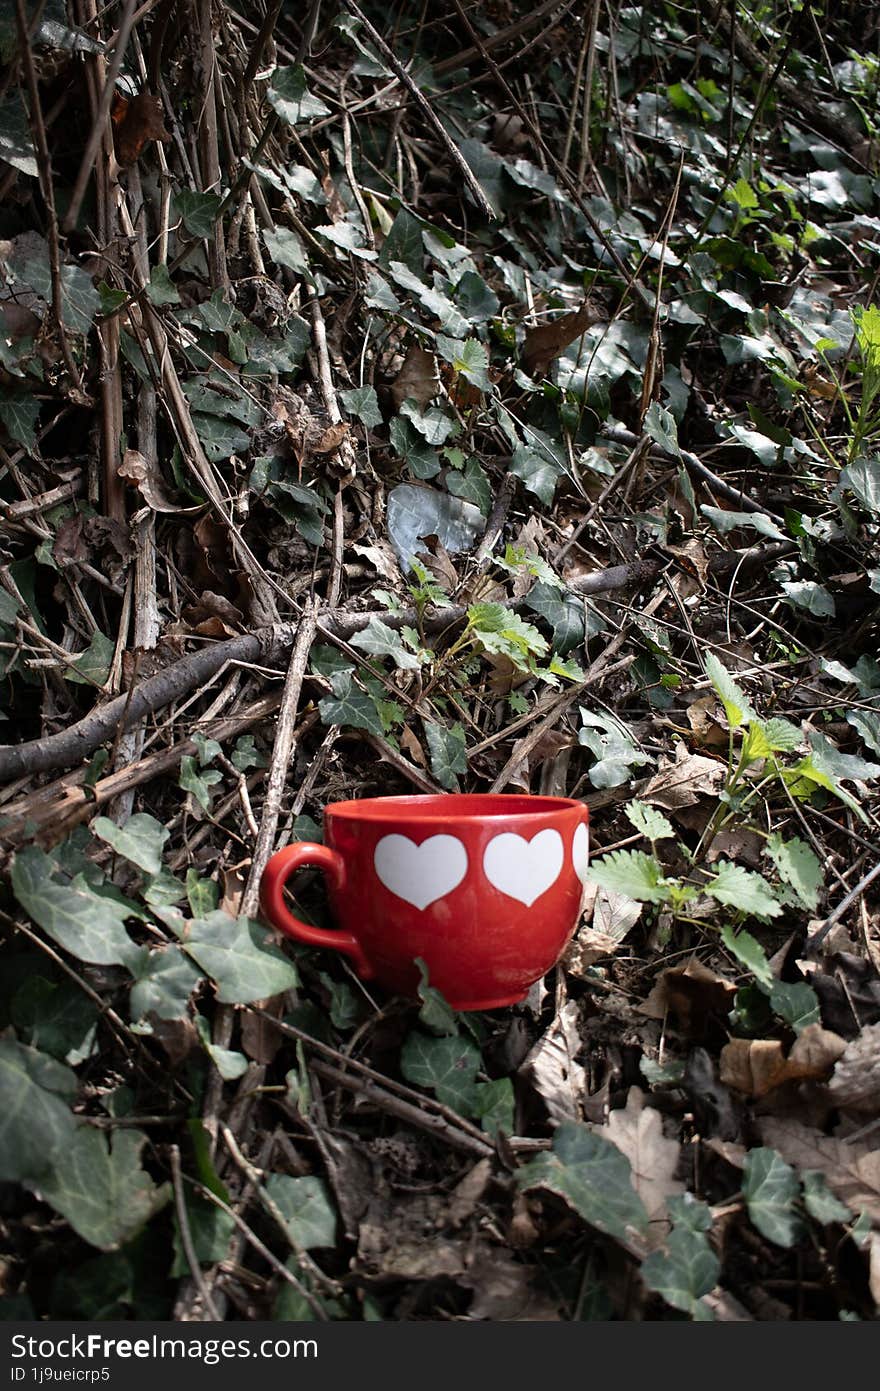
x=410, y=745
x=136, y=122
x=693, y=993
x=637, y=1131
x=757, y=1066
x=852, y=1168
x=467, y=1193
x=550, y=1067
x=503, y=1291
x=141, y=473
x=613, y=915
x=543, y=344
x=382, y=558
x=856, y=1081
x=682, y=781
x=702, y=716
x=331, y=438
x=417, y=379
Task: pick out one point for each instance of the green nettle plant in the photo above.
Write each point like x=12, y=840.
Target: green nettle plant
x=728, y=892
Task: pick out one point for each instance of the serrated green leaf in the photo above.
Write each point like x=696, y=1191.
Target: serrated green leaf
x=381, y=641
x=290, y=98
x=197, y=211
x=735, y=701
x=101, y=1188
x=744, y=890
x=798, y=866
x=501, y=630
x=448, y=1065
x=448, y=750
x=140, y=840
x=593, y=1177
x=648, y=821
x=771, y=1188
x=36, y=1124
x=363, y=402
x=633, y=873
x=238, y=955
x=305, y=1205
x=749, y=952
x=829, y=760
x=163, y=985
x=88, y=926
x=685, y=1271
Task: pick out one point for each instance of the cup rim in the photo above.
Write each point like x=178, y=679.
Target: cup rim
x=454, y=806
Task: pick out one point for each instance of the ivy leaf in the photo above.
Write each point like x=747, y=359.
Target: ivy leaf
x=822, y=1205
x=448, y=750
x=661, y=427
x=472, y=484
x=647, y=821
x=286, y=249
x=363, y=402
x=447, y=1065
x=796, y=1003
x=197, y=211
x=798, y=866
x=140, y=840
x=210, y=1229
x=563, y=611
x=290, y=98
x=381, y=641
x=80, y=300
x=770, y=1188
x=198, y=781
x=437, y=1016
x=37, y=1124
x=807, y=594
x=735, y=701
x=163, y=985
x=593, y=1177
x=92, y=667
x=536, y=472
x=85, y=924
x=348, y=236
x=350, y=706
x=422, y=460
x=305, y=1205
x=238, y=956
x=494, y=1105
x=161, y=289
x=435, y=425
x=56, y=1017
x=633, y=873
x=102, y=1189
x=403, y=243
x=750, y=953
x=16, y=141
x=19, y=414
x=685, y=1271
x=744, y=890
x=229, y=1064
x=469, y=358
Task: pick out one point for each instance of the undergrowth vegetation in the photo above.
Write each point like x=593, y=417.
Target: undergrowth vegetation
x=400, y=401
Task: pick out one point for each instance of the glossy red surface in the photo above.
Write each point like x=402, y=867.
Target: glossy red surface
x=483, y=888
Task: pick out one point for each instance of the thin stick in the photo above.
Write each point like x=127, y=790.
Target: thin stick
x=834, y=917
x=186, y=1240
x=99, y=124
x=282, y=753
x=425, y=107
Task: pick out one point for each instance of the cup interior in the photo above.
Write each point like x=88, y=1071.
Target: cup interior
x=476, y=806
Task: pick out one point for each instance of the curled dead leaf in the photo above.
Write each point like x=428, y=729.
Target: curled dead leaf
x=693, y=993
x=417, y=379
x=142, y=473
x=682, y=781
x=546, y=342
x=755, y=1067
x=136, y=121
x=855, y=1084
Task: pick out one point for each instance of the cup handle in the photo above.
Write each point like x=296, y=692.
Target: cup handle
x=276, y=874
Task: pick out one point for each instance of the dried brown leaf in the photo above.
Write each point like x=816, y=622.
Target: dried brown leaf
x=546, y=342
x=855, y=1084
x=682, y=781
x=692, y=993
x=135, y=123
x=550, y=1067
x=637, y=1131
x=757, y=1066
x=417, y=379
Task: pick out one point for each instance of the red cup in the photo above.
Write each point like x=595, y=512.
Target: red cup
x=486, y=889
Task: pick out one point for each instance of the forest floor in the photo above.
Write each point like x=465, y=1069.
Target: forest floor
x=400, y=402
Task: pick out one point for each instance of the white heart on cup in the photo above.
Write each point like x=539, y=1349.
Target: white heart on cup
x=580, y=852
x=420, y=874
x=524, y=869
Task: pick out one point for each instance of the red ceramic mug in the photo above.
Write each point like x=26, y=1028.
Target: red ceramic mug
x=485, y=888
